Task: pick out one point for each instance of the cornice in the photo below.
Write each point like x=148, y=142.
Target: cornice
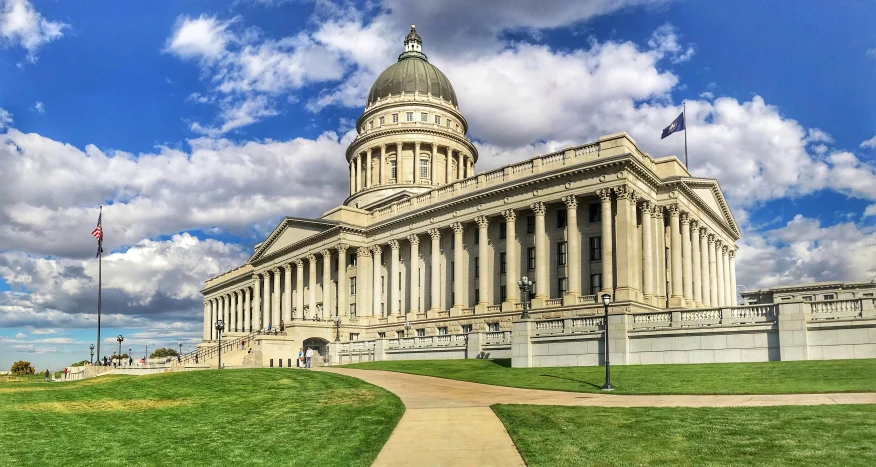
x=457, y=137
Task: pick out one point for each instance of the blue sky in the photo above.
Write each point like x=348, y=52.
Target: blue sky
x=200, y=124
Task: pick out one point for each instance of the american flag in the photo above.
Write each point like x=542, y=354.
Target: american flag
x=98, y=234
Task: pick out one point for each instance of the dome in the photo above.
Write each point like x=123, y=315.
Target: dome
x=412, y=73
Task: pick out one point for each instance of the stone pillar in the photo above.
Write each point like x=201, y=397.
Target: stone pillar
x=399, y=163
x=417, y=178
x=607, y=244
x=458, y=270
x=713, y=273
x=238, y=311
x=352, y=178
x=414, y=273
x=287, y=314
x=512, y=262
x=435, y=272
x=542, y=278
x=393, y=277
x=382, y=171
x=226, y=311
x=433, y=164
x=376, y=254
x=732, y=265
x=648, y=253
x=256, y=302
x=521, y=343
x=459, y=168
x=719, y=266
x=793, y=333
x=625, y=229
x=636, y=271
x=247, y=310
x=275, y=318
x=448, y=165
x=728, y=292
x=676, y=300
x=660, y=256
x=362, y=305
x=326, y=283
x=214, y=314
x=299, y=289
x=686, y=263
x=342, y=280
x=483, y=261
x=358, y=172
x=704, y=267
x=573, y=239
x=206, y=330
x=619, y=343
x=311, y=284
x=696, y=271
x=266, y=302
x=367, y=172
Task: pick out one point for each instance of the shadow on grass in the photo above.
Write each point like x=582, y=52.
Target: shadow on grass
x=597, y=386
x=505, y=362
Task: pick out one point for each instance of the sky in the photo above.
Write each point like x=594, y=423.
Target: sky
x=198, y=125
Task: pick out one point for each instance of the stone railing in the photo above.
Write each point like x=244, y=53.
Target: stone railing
x=494, y=308
x=724, y=316
x=357, y=346
x=585, y=324
x=836, y=309
x=552, y=302
x=586, y=299
x=444, y=340
x=500, y=337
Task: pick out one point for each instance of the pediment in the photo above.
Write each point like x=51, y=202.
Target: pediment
x=710, y=194
x=290, y=231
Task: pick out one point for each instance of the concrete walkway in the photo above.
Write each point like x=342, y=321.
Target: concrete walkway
x=449, y=422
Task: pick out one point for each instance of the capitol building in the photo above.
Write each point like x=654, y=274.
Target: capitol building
x=426, y=246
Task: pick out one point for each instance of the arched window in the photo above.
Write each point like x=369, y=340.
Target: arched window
x=424, y=169
x=392, y=169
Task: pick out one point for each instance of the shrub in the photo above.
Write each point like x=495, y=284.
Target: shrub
x=164, y=352
x=22, y=367
x=82, y=363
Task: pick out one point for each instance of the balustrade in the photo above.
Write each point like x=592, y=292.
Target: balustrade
x=835, y=309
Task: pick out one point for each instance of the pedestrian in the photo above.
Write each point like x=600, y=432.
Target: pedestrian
x=308, y=356
x=47, y=375
x=196, y=358
x=65, y=373
x=299, y=362
x=130, y=360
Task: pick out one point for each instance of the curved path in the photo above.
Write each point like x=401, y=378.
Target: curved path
x=450, y=422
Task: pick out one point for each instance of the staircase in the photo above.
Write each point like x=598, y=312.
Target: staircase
x=232, y=355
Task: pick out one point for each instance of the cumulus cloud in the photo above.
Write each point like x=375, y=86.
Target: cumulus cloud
x=39, y=107
x=870, y=143
x=5, y=118
x=21, y=25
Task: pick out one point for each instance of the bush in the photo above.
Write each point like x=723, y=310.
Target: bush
x=82, y=363
x=123, y=356
x=22, y=367
x=164, y=352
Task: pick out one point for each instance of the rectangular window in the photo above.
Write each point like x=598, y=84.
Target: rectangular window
x=530, y=224
x=530, y=257
x=352, y=310
x=392, y=167
x=354, y=336
x=280, y=362
x=272, y=363
x=562, y=220
x=807, y=298
x=289, y=362
x=503, y=293
x=452, y=270
x=424, y=117
x=466, y=328
x=352, y=286
x=380, y=121
x=399, y=334
x=561, y=287
x=437, y=119
x=381, y=335
x=382, y=284
x=595, y=212
x=477, y=295
x=868, y=295
x=503, y=231
x=595, y=248
x=353, y=259
x=830, y=296
x=477, y=266
x=442, y=331
x=503, y=268
x=562, y=253
x=370, y=124
x=448, y=123
x=595, y=284
x=477, y=236
x=493, y=327
x=394, y=118
x=421, y=332
x=409, y=116
x=424, y=169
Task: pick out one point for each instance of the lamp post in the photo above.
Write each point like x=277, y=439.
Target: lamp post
x=337, y=329
x=120, y=338
x=525, y=285
x=606, y=300
x=91, y=349
x=114, y=358
x=180, y=349
x=407, y=329
x=220, y=326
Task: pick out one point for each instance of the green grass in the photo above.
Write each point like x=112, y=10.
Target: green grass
x=841, y=435
x=237, y=417
x=715, y=378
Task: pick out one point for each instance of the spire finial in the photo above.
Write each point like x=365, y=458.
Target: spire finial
x=413, y=45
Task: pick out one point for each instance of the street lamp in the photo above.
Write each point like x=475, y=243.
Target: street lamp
x=337, y=329
x=180, y=349
x=114, y=358
x=525, y=284
x=407, y=328
x=220, y=326
x=606, y=300
x=120, y=338
x=91, y=348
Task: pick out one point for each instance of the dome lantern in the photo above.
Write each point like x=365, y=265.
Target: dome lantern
x=413, y=46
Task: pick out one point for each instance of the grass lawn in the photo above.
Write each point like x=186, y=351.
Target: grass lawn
x=236, y=417
x=817, y=376
x=842, y=435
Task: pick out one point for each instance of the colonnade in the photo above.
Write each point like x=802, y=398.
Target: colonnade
x=377, y=159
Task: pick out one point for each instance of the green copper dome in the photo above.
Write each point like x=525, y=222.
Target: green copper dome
x=412, y=73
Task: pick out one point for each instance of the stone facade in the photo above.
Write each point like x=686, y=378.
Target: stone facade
x=811, y=292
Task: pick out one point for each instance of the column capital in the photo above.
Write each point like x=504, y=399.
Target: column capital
x=646, y=207
x=623, y=192
x=694, y=226
x=288, y=267
x=342, y=248
x=276, y=271
x=299, y=262
x=376, y=250
x=725, y=249
x=509, y=214
x=326, y=254
x=414, y=239
x=571, y=201
x=394, y=244
x=256, y=278
x=457, y=227
x=604, y=194
x=482, y=222
x=234, y=293
x=704, y=232
x=657, y=212
x=712, y=239
x=674, y=209
x=434, y=233
x=311, y=258
x=732, y=254
x=685, y=218
x=538, y=208
x=363, y=251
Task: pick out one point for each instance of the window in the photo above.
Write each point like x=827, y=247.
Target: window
x=424, y=169
x=437, y=119
x=466, y=328
x=493, y=327
x=595, y=284
x=562, y=253
x=595, y=248
x=503, y=293
x=595, y=214
x=352, y=259
x=424, y=117
x=503, y=231
x=280, y=362
x=399, y=334
x=830, y=296
x=409, y=116
x=272, y=363
x=807, y=298
x=370, y=124
x=477, y=295
x=381, y=335
x=289, y=362
x=392, y=167
x=452, y=270
x=394, y=118
x=562, y=221
x=442, y=331
x=352, y=310
x=354, y=336
x=785, y=298
x=382, y=284
x=868, y=294
x=477, y=265
x=561, y=286
x=503, y=268
x=380, y=121
x=448, y=123
x=421, y=332
x=530, y=224
x=352, y=286
x=457, y=127
x=530, y=257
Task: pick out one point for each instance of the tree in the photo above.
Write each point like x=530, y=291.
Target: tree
x=164, y=352
x=123, y=356
x=22, y=367
x=80, y=363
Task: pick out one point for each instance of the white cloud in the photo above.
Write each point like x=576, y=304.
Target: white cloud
x=5, y=118
x=665, y=41
x=21, y=25
x=871, y=52
x=870, y=143
x=20, y=335
x=39, y=107
x=202, y=38
x=870, y=211
x=708, y=95
x=816, y=135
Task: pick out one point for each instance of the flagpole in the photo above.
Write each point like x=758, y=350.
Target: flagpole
x=99, y=280
x=684, y=117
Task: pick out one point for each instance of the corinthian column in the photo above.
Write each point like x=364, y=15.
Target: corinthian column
x=573, y=239
x=287, y=293
x=393, y=273
x=728, y=293
x=483, y=260
x=358, y=172
x=276, y=299
x=247, y=310
x=382, y=171
x=266, y=301
x=343, y=293
x=236, y=304
x=448, y=166
x=713, y=273
x=648, y=253
x=732, y=265
x=415, y=273
x=433, y=164
x=299, y=289
x=459, y=168
x=376, y=253
x=719, y=266
x=686, y=263
x=512, y=263
x=367, y=175
x=256, y=302
x=676, y=300
x=311, y=283
x=417, y=162
x=326, y=283
x=458, y=271
x=704, y=267
x=206, y=331
x=435, y=272
x=607, y=244
x=696, y=271
x=542, y=278
x=363, y=307
x=399, y=164
x=625, y=227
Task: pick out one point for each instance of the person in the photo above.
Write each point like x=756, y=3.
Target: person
x=130, y=360
x=47, y=375
x=299, y=362
x=65, y=373
x=196, y=359
x=308, y=356
x=282, y=326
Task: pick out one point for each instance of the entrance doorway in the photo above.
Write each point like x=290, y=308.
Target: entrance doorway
x=319, y=346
